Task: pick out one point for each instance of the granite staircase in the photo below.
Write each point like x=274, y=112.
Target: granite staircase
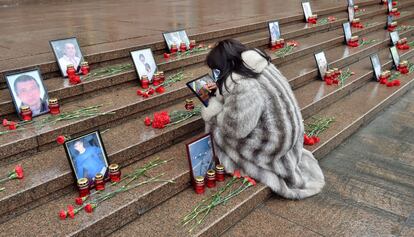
x=157, y=208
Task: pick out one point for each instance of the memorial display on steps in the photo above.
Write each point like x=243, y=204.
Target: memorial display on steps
x=322, y=64
x=203, y=161
x=145, y=66
x=307, y=11
x=29, y=94
x=87, y=158
x=89, y=201
x=332, y=76
x=274, y=31
x=401, y=44
x=203, y=87
x=177, y=41
x=391, y=24
x=67, y=53
x=16, y=173
x=376, y=65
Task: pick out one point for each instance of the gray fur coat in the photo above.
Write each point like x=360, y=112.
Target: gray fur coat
x=257, y=127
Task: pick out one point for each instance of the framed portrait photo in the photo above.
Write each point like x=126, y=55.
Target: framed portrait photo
x=347, y=31
x=274, y=30
x=176, y=37
x=351, y=13
x=201, y=156
x=27, y=88
x=389, y=4
x=351, y=3
x=307, y=11
x=203, y=87
x=144, y=63
x=67, y=51
x=376, y=66
x=395, y=56
x=322, y=63
x=390, y=19
x=394, y=37
x=87, y=156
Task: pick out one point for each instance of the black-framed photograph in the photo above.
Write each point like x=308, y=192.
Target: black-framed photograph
x=389, y=3
x=203, y=87
x=351, y=3
x=216, y=74
x=67, y=51
x=87, y=156
x=307, y=11
x=351, y=13
x=347, y=31
x=390, y=19
x=376, y=65
x=274, y=30
x=395, y=56
x=322, y=63
x=394, y=37
x=201, y=156
x=27, y=88
x=176, y=37
x=144, y=63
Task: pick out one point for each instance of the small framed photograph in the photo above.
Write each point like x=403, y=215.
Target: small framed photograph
x=395, y=56
x=389, y=3
x=351, y=3
x=390, y=19
x=67, y=51
x=394, y=37
x=201, y=156
x=274, y=30
x=216, y=74
x=351, y=13
x=376, y=65
x=203, y=87
x=347, y=31
x=307, y=11
x=144, y=63
x=176, y=37
x=27, y=88
x=87, y=156
x=322, y=63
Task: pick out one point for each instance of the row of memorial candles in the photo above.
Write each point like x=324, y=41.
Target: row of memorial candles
x=99, y=183
x=26, y=112
x=71, y=71
x=183, y=46
x=157, y=79
x=210, y=180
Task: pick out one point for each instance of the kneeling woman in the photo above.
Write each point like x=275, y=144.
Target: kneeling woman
x=256, y=123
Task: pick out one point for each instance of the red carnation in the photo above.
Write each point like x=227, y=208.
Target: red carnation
x=383, y=81
x=236, y=174
x=160, y=89
x=139, y=92
x=250, y=180
x=71, y=214
x=145, y=95
x=390, y=84
x=151, y=91
x=61, y=139
x=70, y=208
x=316, y=139
x=335, y=81
x=396, y=83
x=328, y=81
x=12, y=125
x=5, y=123
x=147, y=121
x=19, y=171
x=62, y=214
x=89, y=208
x=166, y=55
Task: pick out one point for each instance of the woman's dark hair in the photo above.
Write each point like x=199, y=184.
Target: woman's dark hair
x=226, y=57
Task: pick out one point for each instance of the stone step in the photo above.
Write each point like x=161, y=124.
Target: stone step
x=166, y=217
x=32, y=193
x=101, y=52
x=60, y=88
x=128, y=104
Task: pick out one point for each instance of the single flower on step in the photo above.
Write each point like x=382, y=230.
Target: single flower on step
x=12, y=125
x=390, y=84
x=17, y=173
x=166, y=55
x=5, y=122
x=62, y=214
x=80, y=200
x=61, y=139
x=139, y=92
x=396, y=83
x=71, y=211
x=89, y=207
x=160, y=90
x=251, y=181
x=147, y=121
x=145, y=95
x=237, y=174
x=316, y=139
x=151, y=91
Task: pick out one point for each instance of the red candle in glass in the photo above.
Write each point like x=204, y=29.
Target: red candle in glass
x=83, y=186
x=156, y=80
x=114, y=173
x=70, y=70
x=192, y=44
x=99, y=182
x=144, y=82
x=220, y=174
x=162, y=76
x=211, y=179
x=26, y=113
x=282, y=43
x=84, y=68
x=199, y=187
x=189, y=104
x=173, y=48
x=54, y=107
x=183, y=47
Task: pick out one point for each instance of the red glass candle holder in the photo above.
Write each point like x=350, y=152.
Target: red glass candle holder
x=83, y=185
x=70, y=70
x=183, y=47
x=84, y=68
x=189, y=104
x=99, y=182
x=192, y=44
x=211, y=179
x=173, y=48
x=73, y=80
x=220, y=174
x=403, y=67
x=156, y=79
x=54, y=107
x=26, y=113
x=162, y=76
x=199, y=186
x=144, y=82
x=114, y=173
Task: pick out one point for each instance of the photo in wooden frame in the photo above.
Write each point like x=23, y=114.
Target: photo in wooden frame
x=201, y=156
x=67, y=51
